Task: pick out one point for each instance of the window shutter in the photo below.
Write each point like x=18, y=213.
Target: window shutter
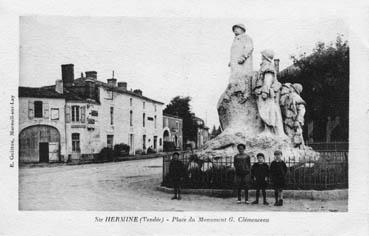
x=31, y=109
x=83, y=114
x=67, y=114
x=46, y=110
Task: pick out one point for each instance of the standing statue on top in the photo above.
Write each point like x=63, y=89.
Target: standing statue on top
x=236, y=101
x=240, y=63
x=267, y=90
x=241, y=52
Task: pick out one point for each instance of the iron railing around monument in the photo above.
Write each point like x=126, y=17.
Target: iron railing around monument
x=330, y=171
x=328, y=146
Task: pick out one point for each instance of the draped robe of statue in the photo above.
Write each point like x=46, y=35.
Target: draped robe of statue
x=267, y=90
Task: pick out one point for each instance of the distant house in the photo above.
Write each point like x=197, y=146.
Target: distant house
x=172, y=131
x=75, y=118
x=202, y=132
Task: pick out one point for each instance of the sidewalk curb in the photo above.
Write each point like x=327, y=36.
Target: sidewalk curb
x=337, y=194
x=78, y=162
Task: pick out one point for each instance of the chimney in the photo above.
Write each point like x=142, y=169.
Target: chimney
x=138, y=92
x=90, y=88
x=112, y=82
x=67, y=74
x=59, y=86
x=276, y=65
x=91, y=75
x=122, y=85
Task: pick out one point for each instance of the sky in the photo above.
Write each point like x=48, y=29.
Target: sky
x=164, y=57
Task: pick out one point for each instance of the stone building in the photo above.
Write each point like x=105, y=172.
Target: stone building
x=41, y=125
x=202, y=132
x=75, y=118
x=172, y=130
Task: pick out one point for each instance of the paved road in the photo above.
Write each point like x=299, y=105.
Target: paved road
x=127, y=186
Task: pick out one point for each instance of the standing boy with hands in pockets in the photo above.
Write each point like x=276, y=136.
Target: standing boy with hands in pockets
x=242, y=166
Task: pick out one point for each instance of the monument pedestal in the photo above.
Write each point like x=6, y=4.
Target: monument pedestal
x=240, y=121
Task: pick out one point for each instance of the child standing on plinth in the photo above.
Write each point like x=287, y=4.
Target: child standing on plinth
x=242, y=167
x=278, y=170
x=260, y=174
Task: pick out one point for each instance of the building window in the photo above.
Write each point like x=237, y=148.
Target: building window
x=55, y=113
x=75, y=113
x=38, y=109
x=130, y=118
x=155, y=122
x=75, y=142
x=143, y=119
x=177, y=125
x=143, y=105
x=130, y=101
x=155, y=107
x=160, y=142
x=109, y=141
x=111, y=115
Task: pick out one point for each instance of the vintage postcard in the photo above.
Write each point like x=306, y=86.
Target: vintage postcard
x=188, y=124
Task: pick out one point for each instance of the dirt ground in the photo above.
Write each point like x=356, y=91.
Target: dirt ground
x=128, y=186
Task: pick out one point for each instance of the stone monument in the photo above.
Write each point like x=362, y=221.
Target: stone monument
x=256, y=109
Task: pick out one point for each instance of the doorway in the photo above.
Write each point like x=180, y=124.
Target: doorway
x=44, y=152
x=155, y=142
x=132, y=144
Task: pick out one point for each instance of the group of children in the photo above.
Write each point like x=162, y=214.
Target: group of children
x=259, y=174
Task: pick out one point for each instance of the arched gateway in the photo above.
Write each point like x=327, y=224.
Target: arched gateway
x=39, y=143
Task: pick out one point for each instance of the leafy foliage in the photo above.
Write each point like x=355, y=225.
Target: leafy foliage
x=121, y=149
x=180, y=106
x=215, y=132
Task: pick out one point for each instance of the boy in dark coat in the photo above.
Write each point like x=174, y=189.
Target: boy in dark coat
x=278, y=170
x=260, y=173
x=177, y=173
x=242, y=166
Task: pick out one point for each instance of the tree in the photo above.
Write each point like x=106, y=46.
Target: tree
x=219, y=131
x=213, y=132
x=180, y=106
x=324, y=74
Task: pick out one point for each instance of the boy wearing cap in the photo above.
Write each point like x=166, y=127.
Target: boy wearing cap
x=242, y=167
x=177, y=173
x=278, y=170
x=260, y=173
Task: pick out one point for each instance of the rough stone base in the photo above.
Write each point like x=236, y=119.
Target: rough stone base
x=225, y=146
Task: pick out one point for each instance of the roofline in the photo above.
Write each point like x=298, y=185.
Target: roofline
x=41, y=97
x=173, y=116
x=116, y=89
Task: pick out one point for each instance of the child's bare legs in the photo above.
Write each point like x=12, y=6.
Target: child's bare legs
x=242, y=185
x=278, y=195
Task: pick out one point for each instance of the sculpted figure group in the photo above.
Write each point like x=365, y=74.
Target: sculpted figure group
x=280, y=106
